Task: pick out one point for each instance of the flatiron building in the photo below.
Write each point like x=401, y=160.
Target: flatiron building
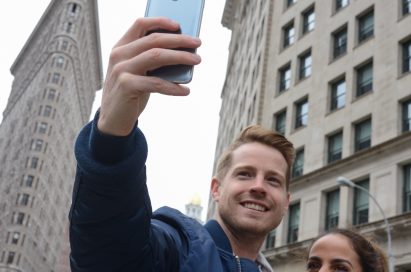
x=56, y=76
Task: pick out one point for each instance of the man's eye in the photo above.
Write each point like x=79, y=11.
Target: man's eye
x=273, y=180
x=313, y=266
x=244, y=174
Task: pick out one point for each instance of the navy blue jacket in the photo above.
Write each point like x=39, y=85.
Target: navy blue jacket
x=112, y=227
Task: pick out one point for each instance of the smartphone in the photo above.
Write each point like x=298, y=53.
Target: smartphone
x=188, y=13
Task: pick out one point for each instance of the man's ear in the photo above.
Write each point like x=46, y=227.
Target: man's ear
x=215, y=186
x=287, y=204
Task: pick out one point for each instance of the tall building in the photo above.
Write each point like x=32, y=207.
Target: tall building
x=334, y=77
x=56, y=75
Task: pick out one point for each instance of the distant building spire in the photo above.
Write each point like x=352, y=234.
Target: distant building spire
x=194, y=208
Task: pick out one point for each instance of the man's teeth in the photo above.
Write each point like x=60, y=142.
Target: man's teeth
x=254, y=207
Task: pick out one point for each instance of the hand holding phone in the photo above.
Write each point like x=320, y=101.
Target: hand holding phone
x=188, y=13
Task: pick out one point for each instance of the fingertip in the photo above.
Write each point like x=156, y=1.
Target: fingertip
x=185, y=89
x=175, y=24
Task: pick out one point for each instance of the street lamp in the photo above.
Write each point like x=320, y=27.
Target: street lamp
x=346, y=182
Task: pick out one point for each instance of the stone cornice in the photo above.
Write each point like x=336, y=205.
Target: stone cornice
x=377, y=150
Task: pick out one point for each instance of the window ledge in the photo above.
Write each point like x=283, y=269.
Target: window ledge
x=295, y=130
x=330, y=112
x=366, y=40
x=404, y=74
x=337, y=58
x=363, y=95
x=302, y=79
x=335, y=11
x=403, y=17
x=279, y=93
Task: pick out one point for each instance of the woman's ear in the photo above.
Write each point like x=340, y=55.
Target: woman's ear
x=215, y=186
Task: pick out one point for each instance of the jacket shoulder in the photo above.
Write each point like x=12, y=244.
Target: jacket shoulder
x=201, y=253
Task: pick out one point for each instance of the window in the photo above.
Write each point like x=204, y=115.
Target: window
x=43, y=128
x=51, y=94
x=69, y=27
x=10, y=258
x=280, y=122
x=364, y=79
x=339, y=4
x=56, y=78
x=293, y=222
x=24, y=199
x=64, y=45
x=288, y=35
x=366, y=26
x=305, y=65
x=308, y=20
x=335, y=147
x=285, y=78
x=332, y=210
x=298, y=166
x=406, y=56
x=290, y=2
x=301, y=117
x=362, y=135
x=47, y=111
x=19, y=218
x=15, y=238
x=406, y=7
x=73, y=8
x=37, y=145
x=28, y=180
x=361, y=203
x=34, y=162
x=337, y=94
x=340, y=42
x=406, y=116
x=407, y=188
x=270, y=240
x=60, y=62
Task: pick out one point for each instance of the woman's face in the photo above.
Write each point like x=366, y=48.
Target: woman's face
x=333, y=253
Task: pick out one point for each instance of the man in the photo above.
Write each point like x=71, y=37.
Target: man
x=112, y=227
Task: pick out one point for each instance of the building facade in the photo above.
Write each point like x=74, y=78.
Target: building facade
x=334, y=77
x=56, y=75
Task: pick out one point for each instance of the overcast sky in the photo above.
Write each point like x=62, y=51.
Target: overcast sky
x=181, y=131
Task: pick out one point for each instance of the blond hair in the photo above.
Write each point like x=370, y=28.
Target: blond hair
x=261, y=135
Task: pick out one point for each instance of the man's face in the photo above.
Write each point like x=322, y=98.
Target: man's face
x=252, y=197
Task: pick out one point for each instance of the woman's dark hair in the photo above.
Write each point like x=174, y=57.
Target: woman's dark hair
x=372, y=258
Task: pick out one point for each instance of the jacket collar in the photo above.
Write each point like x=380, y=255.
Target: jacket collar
x=218, y=235
x=221, y=241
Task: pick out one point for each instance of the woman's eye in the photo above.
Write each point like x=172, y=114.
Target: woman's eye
x=341, y=268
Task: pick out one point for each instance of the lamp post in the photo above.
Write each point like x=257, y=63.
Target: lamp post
x=346, y=182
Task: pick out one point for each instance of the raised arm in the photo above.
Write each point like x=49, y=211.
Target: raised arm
x=110, y=216
x=127, y=89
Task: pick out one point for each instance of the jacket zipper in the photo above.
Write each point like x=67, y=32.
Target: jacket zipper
x=238, y=262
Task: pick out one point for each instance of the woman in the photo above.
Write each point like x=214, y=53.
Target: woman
x=342, y=250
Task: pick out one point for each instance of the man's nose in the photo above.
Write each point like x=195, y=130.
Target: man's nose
x=258, y=185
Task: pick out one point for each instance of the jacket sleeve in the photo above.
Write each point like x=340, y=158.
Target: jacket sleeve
x=110, y=216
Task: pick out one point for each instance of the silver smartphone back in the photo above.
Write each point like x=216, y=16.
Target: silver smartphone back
x=188, y=13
